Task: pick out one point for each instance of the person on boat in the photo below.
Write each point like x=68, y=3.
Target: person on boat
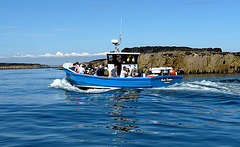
x=165, y=72
x=173, y=73
x=129, y=75
x=123, y=72
x=95, y=73
x=81, y=69
x=143, y=70
x=106, y=72
x=139, y=74
x=100, y=71
x=134, y=72
x=75, y=67
x=114, y=72
x=93, y=70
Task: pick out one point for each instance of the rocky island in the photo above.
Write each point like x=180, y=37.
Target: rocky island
x=186, y=60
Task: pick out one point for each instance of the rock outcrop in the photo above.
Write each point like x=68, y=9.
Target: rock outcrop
x=186, y=60
x=22, y=66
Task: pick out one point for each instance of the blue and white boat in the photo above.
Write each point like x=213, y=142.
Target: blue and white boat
x=160, y=76
x=86, y=81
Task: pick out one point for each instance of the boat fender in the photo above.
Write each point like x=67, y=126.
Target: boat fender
x=173, y=73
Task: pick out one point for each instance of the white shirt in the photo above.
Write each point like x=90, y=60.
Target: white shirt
x=123, y=73
x=81, y=70
x=76, y=67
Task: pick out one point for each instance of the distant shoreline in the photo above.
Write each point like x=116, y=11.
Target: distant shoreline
x=5, y=66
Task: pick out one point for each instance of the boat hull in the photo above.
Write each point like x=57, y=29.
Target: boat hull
x=88, y=81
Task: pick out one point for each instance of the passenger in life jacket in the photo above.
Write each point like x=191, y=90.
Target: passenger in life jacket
x=173, y=73
x=75, y=67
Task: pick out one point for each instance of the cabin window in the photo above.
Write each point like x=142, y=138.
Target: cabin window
x=124, y=59
x=134, y=59
x=110, y=59
x=129, y=59
x=119, y=58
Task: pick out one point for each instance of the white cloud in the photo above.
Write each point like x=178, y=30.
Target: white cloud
x=77, y=54
x=59, y=54
x=46, y=55
x=29, y=56
x=99, y=54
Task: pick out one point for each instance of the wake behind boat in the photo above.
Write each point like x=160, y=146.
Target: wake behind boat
x=158, y=77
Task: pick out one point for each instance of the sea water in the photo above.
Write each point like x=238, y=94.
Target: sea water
x=38, y=107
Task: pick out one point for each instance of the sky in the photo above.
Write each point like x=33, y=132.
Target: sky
x=38, y=28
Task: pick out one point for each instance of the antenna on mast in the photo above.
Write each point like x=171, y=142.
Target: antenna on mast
x=118, y=42
x=120, y=36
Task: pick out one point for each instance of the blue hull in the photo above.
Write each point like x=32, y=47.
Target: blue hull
x=89, y=81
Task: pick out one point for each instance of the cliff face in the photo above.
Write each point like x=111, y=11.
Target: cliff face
x=189, y=61
x=193, y=63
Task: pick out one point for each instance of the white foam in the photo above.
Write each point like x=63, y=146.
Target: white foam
x=65, y=85
x=208, y=86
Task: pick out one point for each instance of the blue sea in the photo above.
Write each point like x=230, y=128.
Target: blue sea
x=38, y=107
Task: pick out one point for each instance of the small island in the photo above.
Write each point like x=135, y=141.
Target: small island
x=22, y=66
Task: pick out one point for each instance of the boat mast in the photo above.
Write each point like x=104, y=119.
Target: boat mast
x=118, y=42
x=120, y=36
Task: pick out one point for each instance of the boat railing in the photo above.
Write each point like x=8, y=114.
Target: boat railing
x=67, y=65
x=160, y=71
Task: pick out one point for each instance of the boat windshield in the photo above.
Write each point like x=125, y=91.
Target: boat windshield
x=123, y=59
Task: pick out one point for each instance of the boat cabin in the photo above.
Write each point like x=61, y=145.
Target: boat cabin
x=121, y=59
